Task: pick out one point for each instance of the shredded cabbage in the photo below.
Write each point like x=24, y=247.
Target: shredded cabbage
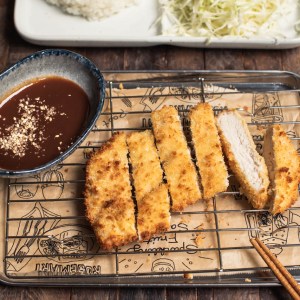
x=219, y=18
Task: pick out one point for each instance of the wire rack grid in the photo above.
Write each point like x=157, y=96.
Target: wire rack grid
x=32, y=242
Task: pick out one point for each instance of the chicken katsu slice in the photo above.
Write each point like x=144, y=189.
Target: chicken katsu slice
x=244, y=161
x=175, y=157
x=146, y=169
x=108, y=200
x=207, y=145
x=153, y=203
x=283, y=165
x=154, y=213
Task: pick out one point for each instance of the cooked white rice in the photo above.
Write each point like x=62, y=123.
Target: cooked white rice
x=92, y=9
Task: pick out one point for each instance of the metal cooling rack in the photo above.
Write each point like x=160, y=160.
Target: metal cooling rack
x=244, y=82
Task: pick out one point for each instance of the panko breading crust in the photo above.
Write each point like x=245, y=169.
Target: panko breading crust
x=153, y=203
x=207, y=145
x=109, y=204
x=175, y=156
x=154, y=213
x=284, y=169
x=146, y=169
x=258, y=198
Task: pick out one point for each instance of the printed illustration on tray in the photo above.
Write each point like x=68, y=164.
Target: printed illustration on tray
x=266, y=108
x=177, y=250
x=43, y=232
x=273, y=231
x=48, y=243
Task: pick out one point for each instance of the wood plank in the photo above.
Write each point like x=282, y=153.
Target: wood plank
x=13, y=48
x=262, y=60
x=106, y=58
x=182, y=293
x=4, y=46
x=18, y=48
x=205, y=293
x=291, y=59
x=236, y=293
x=18, y=52
x=274, y=293
x=46, y=293
x=11, y=293
x=21, y=49
x=94, y=294
x=219, y=59
x=15, y=293
x=142, y=294
x=153, y=58
x=4, y=2
x=243, y=59
x=163, y=58
x=179, y=58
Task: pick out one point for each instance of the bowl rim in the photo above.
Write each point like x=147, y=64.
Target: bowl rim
x=89, y=126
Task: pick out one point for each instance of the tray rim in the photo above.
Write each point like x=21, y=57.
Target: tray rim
x=221, y=280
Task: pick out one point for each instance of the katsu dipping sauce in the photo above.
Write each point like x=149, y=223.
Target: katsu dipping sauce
x=40, y=121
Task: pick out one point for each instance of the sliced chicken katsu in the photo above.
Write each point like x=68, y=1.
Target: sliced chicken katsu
x=153, y=203
x=175, y=156
x=284, y=169
x=154, y=213
x=247, y=165
x=207, y=145
x=108, y=200
x=146, y=169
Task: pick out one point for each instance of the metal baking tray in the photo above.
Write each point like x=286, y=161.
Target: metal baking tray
x=46, y=240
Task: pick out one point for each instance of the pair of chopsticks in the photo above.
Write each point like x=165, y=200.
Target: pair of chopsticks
x=282, y=274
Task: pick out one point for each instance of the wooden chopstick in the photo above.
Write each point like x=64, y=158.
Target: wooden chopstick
x=282, y=274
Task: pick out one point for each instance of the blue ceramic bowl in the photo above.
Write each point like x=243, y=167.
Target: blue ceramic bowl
x=62, y=63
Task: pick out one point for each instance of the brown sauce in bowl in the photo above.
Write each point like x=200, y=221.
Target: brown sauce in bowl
x=40, y=121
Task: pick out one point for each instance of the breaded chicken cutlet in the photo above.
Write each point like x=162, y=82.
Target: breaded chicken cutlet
x=153, y=203
x=247, y=165
x=284, y=169
x=207, y=145
x=154, y=213
x=146, y=169
x=108, y=200
x=175, y=157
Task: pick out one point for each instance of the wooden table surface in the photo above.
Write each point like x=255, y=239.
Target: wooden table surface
x=12, y=48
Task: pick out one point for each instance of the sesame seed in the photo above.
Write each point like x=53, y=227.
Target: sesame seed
x=26, y=130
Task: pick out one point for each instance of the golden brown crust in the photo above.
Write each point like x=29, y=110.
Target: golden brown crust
x=108, y=201
x=154, y=213
x=152, y=197
x=258, y=198
x=153, y=203
x=285, y=170
x=210, y=160
x=175, y=157
x=116, y=224
x=146, y=168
